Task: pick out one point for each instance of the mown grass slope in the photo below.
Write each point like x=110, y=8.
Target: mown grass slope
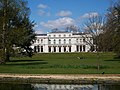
x=63, y=63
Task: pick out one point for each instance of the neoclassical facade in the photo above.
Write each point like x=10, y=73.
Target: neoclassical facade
x=59, y=42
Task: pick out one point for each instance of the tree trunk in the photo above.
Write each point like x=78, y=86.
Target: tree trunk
x=7, y=56
x=4, y=34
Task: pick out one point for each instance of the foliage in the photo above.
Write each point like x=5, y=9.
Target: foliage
x=16, y=30
x=110, y=38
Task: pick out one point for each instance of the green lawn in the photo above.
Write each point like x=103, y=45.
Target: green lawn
x=63, y=63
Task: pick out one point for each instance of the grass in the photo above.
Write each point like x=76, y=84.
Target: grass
x=63, y=63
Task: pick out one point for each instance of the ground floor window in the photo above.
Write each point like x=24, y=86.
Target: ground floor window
x=77, y=48
x=49, y=49
x=35, y=49
x=69, y=48
x=59, y=49
x=54, y=49
x=64, y=49
x=84, y=48
x=38, y=48
x=80, y=48
x=41, y=48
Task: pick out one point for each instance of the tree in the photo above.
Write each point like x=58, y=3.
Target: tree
x=15, y=27
x=94, y=27
x=111, y=33
x=72, y=28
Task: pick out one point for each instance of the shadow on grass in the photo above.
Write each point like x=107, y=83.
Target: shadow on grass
x=26, y=62
x=112, y=60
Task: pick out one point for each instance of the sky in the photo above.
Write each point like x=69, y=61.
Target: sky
x=51, y=14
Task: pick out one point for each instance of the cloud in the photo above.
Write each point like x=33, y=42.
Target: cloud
x=40, y=32
x=43, y=13
x=90, y=15
x=58, y=23
x=42, y=6
x=38, y=29
x=64, y=13
x=43, y=10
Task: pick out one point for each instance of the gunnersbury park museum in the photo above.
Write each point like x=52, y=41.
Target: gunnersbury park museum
x=60, y=42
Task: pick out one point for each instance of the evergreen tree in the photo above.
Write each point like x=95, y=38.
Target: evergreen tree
x=16, y=30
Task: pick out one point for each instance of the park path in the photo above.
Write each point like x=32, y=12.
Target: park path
x=64, y=76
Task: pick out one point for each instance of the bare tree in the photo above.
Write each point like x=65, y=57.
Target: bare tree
x=94, y=27
x=72, y=28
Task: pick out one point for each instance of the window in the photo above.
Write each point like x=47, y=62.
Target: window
x=54, y=35
x=41, y=48
x=69, y=48
x=80, y=48
x=38, y=48
x=69, y=41
x=64, y=35
x=83, y=39
x=38, y=40
x=59, y=41
x=59, y=35
x=49, y=48
x=77, y=48
x=64, y=41
x=77, y=40
x=64, y=49
x=59, y=49
x=91, y=39
x=54, y=41
x=84, y=48
x=80, y=40
x=49, y=41
x=54, y=49
x=41, y=40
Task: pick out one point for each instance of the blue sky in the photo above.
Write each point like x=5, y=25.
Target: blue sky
x=50, y=14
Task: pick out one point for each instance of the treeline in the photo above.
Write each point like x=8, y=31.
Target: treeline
x=16, y=29
x=109, y=39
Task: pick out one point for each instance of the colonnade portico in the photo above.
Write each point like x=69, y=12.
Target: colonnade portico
x=59, y=48
x=80, y=48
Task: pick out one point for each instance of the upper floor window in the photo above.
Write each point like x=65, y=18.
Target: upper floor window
x=54, y=41
x=59, y=41
x=38, y=40
x=49, y=41
x=69, y=40
x=64, y=41
x=91, y=38
x=77, y=40
x=54, y=35
x=59, y=35
x=64, y=35
x=83, y=39
x=41, y=40
x=80, y=40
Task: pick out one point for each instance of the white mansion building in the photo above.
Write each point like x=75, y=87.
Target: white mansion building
x=62, y=42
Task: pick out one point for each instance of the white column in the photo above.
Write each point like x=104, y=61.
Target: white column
x=82, y=48
x=67, y=49
x=73, y=48
x=62, y=49
x=52, y=49
x=57, y=49
x=45, y=48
